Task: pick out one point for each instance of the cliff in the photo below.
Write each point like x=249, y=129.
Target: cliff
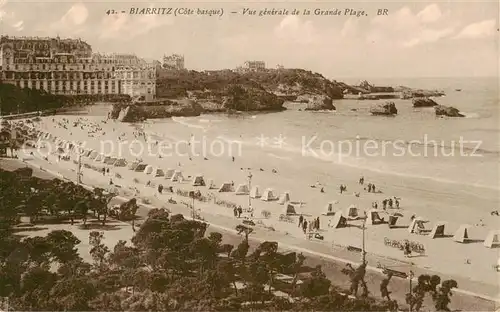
x=448, y=111
x=387, y=109
x=263, y=90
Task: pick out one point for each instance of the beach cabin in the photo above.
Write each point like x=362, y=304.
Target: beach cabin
x=330, y=208
x=284, y=198
x=109, y=160
x=352, y=213
x=290, y=210
x=254, y=193
x=339, y=221
x=492, y=240
x=242, y=189
x=268, y=195
x=177, y=177
x=417, y=225
x=120, y=162
x=169, y=173
x=437, y=230
x=462, y=234
x=148, y=170
x=198, y=180
x=373, y=217
x=226, y=187
x=158, y=172
x=93, y=155
x=87, y=153
x=140, y=167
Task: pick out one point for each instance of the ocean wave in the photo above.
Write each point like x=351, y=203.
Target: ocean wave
x=470, y=115
x=279, y=157
x=180, y=120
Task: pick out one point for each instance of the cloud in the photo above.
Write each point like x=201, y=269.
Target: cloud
x=430, y=13
x=350, y=27
x=407, y=29
x=72, y=22
x=292, y=28
x=481, y=29
x=125, y=26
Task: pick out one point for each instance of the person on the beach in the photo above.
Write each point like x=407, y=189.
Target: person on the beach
x=301, y=219
x=396, y=201
x=383, y=287
x=369, y=187
x=341, y=188
x=110, y=181
x=304, y=226
x=275, y=171
x=232, y=158
x=235, y=212
x=317, y=223
x=373, y=188
x=407, y=250
x=384, y=204
x=322, y=190
x=390, y=203
x=103, y=171
x=361, y=180
x=240, y=211
x=160, y=188
x=330, y=223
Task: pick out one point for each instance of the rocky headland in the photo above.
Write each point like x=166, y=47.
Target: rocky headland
x=423, y=102
x=447, y=111
x=384, y=109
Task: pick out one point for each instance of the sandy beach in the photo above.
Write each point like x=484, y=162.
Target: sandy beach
x=432, y=201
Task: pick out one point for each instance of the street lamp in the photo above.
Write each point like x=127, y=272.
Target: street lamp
x=410, y=276
x=363, y=256
x=249, y=189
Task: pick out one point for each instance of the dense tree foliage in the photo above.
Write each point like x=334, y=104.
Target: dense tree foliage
x=170, y=264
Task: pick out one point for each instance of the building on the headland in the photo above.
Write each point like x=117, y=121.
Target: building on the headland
x=138, y=81
x=279, y=66
x=68, y=67
x=174, y=61
x=251, y=66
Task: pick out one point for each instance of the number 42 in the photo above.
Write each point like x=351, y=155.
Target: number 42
x=110, y=12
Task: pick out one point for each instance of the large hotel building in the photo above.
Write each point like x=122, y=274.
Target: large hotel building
x=68, y=66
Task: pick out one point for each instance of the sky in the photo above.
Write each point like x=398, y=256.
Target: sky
x=415, y=39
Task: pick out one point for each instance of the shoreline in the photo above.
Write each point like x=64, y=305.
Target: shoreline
x=292, y=245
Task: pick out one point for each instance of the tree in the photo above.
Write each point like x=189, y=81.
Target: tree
x=98, y=250
x=63, y=246
x=317, y=285
x=442, y=297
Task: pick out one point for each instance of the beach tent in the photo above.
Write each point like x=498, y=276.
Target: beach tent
x=339, y=221
x=268, y=195
x=437, y=230
x=330, y=208
x=133, y=165
x=392, y=220
x=158, y=172
x=99, y=158
x=290, y=210
x=177, y=176
x=416, y=225
x=462, y=234
x=493, y=239
x=120, y=162
x=140, y=167
x=254, y=193
x=93, y=154
x=109, y=160
x=372, y=217
x=284, y=198
x=87, y=152
x=198, y=180
x=242, y=189
x=352, y=212
x=211, y=185
x=226, y=187
x=148, y=169
x=169, y=173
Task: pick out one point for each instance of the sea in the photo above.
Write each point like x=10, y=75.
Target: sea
x=414, y=144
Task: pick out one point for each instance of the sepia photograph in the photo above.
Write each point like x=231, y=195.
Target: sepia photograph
x=249, y=155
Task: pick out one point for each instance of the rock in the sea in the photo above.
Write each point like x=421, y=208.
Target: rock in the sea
x=423, y=102
x=320, y=102
x=164, y=109
x=387, y=109
x=448, y=111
